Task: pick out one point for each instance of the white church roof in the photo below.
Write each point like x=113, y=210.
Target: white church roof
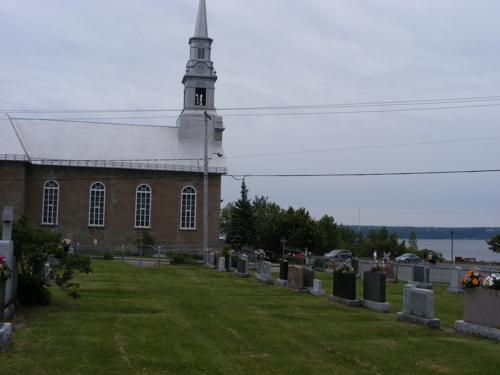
x=87, y=144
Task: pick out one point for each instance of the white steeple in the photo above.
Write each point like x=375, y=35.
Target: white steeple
x=199, y=83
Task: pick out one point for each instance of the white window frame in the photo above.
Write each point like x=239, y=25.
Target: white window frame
x=50, y=203
x=97, y=204
x=143, y=198
x=188, y=208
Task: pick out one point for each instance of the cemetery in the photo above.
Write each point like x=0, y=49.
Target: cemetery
x=237, y=307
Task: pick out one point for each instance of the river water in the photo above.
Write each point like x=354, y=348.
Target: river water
x=461, y=248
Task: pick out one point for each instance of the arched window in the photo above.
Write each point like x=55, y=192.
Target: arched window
x=143, y=207
x=96, y=205
x=50, y=202
x=188, y=208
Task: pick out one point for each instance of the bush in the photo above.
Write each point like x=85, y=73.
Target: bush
x=319, y=264
x=107, y=256
x=178, y=259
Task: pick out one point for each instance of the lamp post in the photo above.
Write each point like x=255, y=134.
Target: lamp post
x=205, y=187
x=452, y=258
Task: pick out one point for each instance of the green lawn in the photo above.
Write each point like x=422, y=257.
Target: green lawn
x=190, y=320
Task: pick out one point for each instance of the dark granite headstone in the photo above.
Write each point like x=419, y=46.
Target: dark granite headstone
x=284, y=270
x=420, y=274
x=242, y=265
x=344, y=285
x=308, y=275
x=355, y=265
x=374, y=286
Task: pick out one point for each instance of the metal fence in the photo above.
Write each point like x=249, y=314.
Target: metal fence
x=439, y=275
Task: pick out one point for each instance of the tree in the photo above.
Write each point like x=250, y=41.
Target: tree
x=242, y=222
x=266, y=223
x=412, y=242
x=494, y=243
x=298, y=229
x=328, y=234
x=32, y=248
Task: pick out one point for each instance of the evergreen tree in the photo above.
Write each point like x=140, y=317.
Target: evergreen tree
x=412, y=242
x=242, y=230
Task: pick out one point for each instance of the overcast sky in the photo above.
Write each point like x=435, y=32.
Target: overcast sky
x=332, y=60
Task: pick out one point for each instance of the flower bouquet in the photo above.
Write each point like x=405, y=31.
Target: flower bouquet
x=260, y=254
x=345, y=268
x=5, y=271
x=492, y=281
x=472, y=280
x=378, y=266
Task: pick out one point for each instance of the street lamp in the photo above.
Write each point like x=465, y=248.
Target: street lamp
x=205, y=187
x=453, y=259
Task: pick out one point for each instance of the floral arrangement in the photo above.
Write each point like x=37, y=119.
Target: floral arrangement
x=472, y=280
x=492, y=281
x=65, y=242
x=5, y=271
x=260, y=254
x=345, y=268
x=378, y=266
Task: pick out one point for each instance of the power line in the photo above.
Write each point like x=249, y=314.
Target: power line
x=363, y=174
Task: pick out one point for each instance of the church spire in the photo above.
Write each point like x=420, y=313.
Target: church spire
x=201, y=30
x=199, y=84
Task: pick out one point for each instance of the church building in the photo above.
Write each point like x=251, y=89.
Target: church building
x=106, y=184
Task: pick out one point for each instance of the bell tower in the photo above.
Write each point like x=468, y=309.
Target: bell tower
x=199, y=85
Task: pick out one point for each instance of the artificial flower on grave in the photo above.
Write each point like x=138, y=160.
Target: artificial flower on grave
x=65, y=242
x=472, y=280
x=377, y=266
x=260, y=254
x=5, y=271
x=492, y=281
x=345, y=268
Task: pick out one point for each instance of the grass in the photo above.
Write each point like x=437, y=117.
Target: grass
x=190, y=320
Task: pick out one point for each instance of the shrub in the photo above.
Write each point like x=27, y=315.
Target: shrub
x=319, y=264
x=107, y=256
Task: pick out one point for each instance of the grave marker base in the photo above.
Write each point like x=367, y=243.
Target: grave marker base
x=384, y=307
x=240, y=274
x=5, y=334
x=262, y=279
x=344, y=301
x=283, y=283
x=474, y=329
x=429, y=323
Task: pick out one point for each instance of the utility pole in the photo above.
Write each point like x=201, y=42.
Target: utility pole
x=205, y=189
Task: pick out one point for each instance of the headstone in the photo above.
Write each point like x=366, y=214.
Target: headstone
x=418, y=307
x=355, y=265
x=211, y=260
x=283, y=279
x=344, y=289
x=308, y=277
x=420, y=274
x=242, y=270
x=295, y=277
x=330, y=264
x=317, y=289
x=389, y=270
x=455, y=277
x=7, y=250
x=222, y=265
x=216, y=258
x=265, y=275
x=259, y=265
x=344, y=285
x=420, y=277
x=8, y=289
x=374, y=286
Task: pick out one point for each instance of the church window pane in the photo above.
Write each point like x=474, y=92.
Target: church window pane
x=201, y=53
x=200, y=96
x=188, y=208
x=97, y=204
x=50, y=202
x=143, y=207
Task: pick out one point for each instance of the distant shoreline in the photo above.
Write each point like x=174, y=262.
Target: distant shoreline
x=433, y=233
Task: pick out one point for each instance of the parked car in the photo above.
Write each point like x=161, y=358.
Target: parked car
x=339, y=255
x=407, y=258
